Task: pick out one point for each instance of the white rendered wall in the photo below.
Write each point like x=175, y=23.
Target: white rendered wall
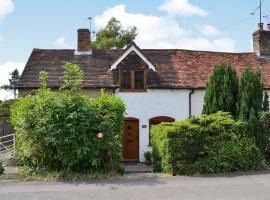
x=197, y=102
x=154, y=103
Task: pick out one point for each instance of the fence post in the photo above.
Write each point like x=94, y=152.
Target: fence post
x=14, y=144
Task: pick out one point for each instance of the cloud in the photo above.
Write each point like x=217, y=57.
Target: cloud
x=6, y=7
x=208, y=30
x=5, y=70
x=165, y=31
x=182, y=8
x=61, y=42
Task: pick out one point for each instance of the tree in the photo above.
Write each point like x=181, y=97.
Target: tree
x=73, y=77
x=114, y=36
x=250, y=95
x=14, y=76
x=265, y=102
x=221, y=91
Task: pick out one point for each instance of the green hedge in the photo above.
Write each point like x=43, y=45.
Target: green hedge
x=203, y=145
x=263, y=134
x=58, y=131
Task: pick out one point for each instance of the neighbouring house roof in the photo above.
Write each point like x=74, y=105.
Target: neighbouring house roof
x=174, y=68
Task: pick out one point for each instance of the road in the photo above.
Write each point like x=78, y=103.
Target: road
x=240, y=187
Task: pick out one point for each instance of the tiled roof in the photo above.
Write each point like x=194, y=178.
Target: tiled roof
x=174, y=68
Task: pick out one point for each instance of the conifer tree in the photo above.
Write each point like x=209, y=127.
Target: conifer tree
x=250, y=94
x=265, y=102
x=221, y=91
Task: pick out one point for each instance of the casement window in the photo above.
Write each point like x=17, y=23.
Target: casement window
x=132, y=80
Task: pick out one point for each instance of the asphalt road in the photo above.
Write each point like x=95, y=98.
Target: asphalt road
x=240, y=187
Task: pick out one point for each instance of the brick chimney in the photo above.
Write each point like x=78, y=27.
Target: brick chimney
x=261, y=41
x=84, y=43
x=268, y=27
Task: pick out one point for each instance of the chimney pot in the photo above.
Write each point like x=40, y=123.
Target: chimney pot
x=260, y=26
x=84, y=42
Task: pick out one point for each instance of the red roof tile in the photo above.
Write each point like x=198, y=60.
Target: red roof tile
x=174, y=68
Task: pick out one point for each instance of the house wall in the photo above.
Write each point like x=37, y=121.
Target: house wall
x=197, y=99
x=153, y=103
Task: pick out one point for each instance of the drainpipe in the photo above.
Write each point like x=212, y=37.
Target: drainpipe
x=189, y=101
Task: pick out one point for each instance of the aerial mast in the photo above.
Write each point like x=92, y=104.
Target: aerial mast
x=260, y=12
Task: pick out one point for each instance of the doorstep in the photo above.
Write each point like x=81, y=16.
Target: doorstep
x=136, y=167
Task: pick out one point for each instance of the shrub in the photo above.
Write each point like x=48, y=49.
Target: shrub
x=221, y=91
x=206, y=144
x=263, y=134
x=59, y=131
x=2, y=169
x=5, y=110
x=148, y=156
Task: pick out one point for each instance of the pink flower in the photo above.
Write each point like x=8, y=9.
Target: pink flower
x=100, y=135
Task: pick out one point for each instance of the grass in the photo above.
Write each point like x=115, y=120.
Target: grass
x=28, y=174
x=43, y=175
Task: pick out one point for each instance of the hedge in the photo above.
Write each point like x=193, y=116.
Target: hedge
x=203, y=145
x=263, y=134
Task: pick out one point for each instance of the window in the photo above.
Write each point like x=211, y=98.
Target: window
x=139, y=79
x=132, y=80
x=126, y=79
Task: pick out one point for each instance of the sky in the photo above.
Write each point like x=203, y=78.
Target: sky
x=184, y=24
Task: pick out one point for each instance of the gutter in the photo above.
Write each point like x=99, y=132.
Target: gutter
x=189, y=101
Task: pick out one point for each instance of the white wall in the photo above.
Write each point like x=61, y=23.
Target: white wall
x=197, y=102
x=153, y=103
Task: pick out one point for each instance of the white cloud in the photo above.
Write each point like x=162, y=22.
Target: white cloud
x=208, y=30
x=6, y=7
x=5, y=70
x=165, y=31
x=182, y=8
x=61, y=42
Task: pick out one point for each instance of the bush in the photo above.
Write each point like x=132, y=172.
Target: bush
x=5, y=110
x=263, y=134
x=2, y=169
x=59, y=131
x=203, y=145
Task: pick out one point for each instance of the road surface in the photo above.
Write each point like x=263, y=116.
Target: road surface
x=238, y=187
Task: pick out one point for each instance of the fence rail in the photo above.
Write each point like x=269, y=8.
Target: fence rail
x=7, y=145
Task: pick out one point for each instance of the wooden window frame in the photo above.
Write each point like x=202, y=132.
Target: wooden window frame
x=133, y=89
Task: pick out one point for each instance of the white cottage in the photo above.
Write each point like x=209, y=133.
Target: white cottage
x=156, y=85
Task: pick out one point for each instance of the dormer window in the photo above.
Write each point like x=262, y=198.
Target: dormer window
x=132, y=80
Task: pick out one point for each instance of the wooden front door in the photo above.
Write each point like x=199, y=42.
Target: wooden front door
x=131, y=140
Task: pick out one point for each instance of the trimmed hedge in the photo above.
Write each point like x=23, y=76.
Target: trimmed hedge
x=59, y=131
x=203, y=145
x=263, y=134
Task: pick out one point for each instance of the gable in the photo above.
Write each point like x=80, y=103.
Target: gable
x=131, y=51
